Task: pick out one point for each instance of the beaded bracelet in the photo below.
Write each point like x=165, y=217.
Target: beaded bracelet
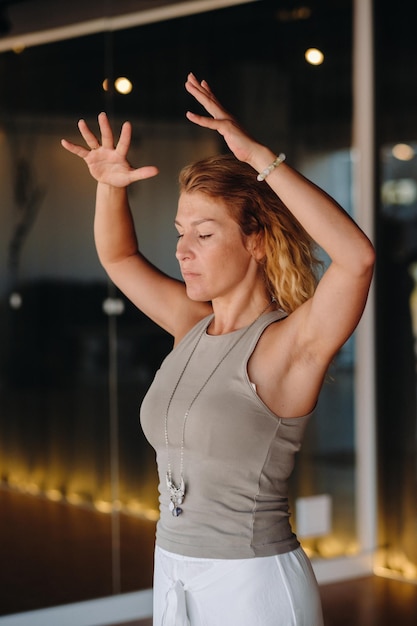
x=271, y=167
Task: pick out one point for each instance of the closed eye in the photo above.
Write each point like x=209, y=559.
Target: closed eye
x=179, y=236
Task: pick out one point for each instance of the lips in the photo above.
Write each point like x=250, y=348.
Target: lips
x=189, y=275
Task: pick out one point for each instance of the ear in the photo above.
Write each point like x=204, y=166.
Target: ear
x=256, y=246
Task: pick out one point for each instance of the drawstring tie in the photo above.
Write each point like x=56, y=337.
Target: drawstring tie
x=175, y=613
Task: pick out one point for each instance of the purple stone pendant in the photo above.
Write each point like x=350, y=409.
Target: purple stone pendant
x=177, y=495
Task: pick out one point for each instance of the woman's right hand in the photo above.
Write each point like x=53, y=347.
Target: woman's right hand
x=108, y=164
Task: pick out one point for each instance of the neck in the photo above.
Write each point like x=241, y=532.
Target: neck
x=229, y=318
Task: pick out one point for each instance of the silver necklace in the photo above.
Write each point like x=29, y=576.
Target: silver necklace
x=177, y=492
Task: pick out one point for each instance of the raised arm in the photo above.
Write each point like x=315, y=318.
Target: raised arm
x=322, y=324
x=159, y=296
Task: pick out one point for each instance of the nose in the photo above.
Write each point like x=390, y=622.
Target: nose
x=183, y=250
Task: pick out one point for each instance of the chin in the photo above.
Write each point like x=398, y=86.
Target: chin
x=197, y=296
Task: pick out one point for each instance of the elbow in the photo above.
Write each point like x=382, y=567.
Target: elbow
x=359, y=258
x=370, y=255
x=365, y=259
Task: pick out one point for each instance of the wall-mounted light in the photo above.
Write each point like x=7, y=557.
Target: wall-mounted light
x=314, y=56
x=403, y=152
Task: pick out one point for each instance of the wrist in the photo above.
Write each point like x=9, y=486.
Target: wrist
x=261, y=158
x=111, y=195
x=271, y=167
x=110, y=190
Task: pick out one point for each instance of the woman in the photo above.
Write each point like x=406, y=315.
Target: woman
x=254, y=334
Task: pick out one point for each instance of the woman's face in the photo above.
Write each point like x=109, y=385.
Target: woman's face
x=213, y=256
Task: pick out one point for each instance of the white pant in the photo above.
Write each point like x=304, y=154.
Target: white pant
x=264, y=591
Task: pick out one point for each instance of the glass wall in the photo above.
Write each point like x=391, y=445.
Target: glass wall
x=396, y=70
x=78, y=480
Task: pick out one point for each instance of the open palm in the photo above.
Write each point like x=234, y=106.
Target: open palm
x=108, y=163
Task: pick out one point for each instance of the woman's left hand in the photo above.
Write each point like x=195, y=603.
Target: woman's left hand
x=238, y=140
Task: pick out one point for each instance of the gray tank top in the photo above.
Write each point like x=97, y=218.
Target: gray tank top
x=238, y=455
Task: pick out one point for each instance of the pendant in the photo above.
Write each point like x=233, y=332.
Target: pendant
x=176, y=495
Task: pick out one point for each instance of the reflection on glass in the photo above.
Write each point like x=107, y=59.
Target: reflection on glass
x=326, y=464
x=76, y=358
x=397, y=360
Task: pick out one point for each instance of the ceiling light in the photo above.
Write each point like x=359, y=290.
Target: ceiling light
x=314, y=56
x=123, y=85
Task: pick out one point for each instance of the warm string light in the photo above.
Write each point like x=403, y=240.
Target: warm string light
x=133, y=507
x=394, y=565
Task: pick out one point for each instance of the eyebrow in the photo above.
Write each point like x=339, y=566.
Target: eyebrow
x=197, y=222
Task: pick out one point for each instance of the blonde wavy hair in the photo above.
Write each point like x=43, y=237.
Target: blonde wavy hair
x=290, y=267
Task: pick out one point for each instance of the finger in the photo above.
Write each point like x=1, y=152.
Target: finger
x=143, y=172
x=194, y=87
x=201, y=120
x=202, y=85
x=75, y=149
x=88, y=136
x=205, y=97
x=193, y=79
x=206, y=86
x=123, y=144
x=107, y=139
